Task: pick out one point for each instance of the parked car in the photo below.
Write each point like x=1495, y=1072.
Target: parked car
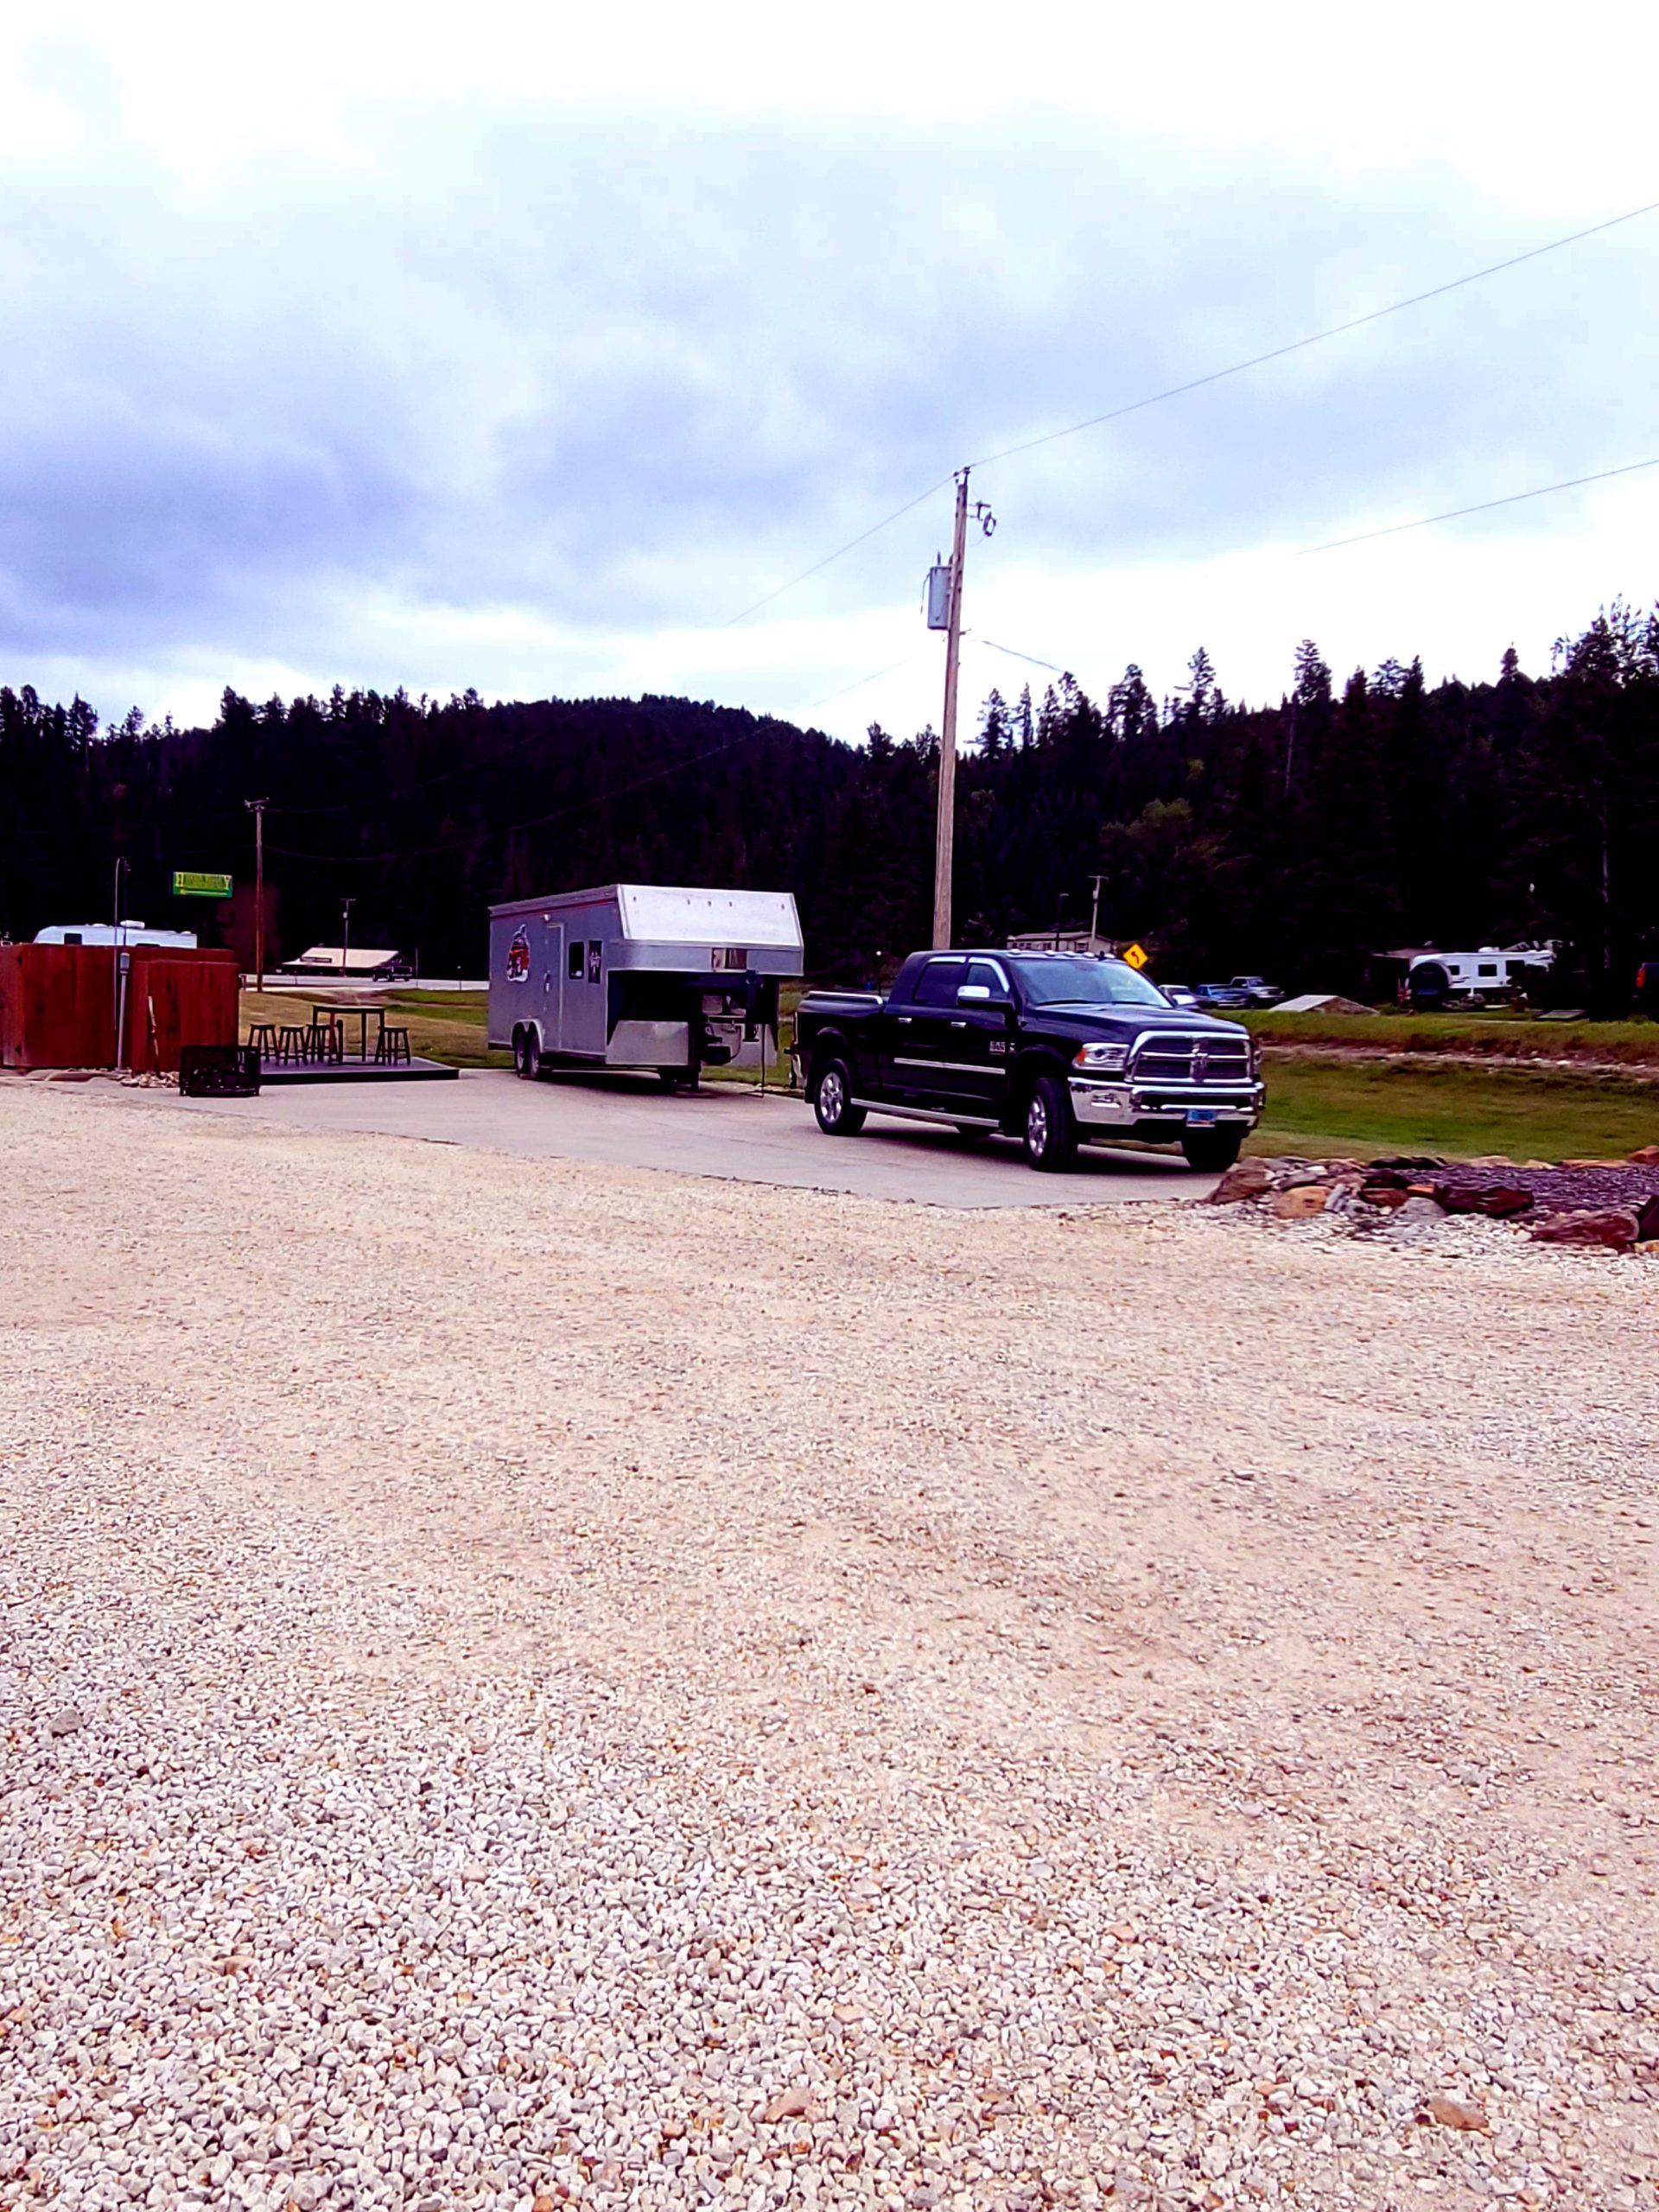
x=1219, y=995
x=1054, y=1048
x=1181, y=995
x=1258, y=990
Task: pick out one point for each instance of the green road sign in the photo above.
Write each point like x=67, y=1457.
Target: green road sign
x=190, y=883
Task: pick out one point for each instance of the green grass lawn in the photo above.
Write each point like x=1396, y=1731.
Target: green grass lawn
x=1498, y=1035
x=446, y=1025
x=1326, y=1107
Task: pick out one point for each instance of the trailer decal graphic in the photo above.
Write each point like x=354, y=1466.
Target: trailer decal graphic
x=518, y=956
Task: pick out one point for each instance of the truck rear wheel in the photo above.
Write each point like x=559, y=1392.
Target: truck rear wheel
x=1212, y=1151
x=526, y=1056
x=832, y=1100
x=1051, y=1129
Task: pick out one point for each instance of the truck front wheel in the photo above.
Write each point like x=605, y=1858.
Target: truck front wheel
x=1212, y=1151
x=832, y=1101
x=1051, y=1129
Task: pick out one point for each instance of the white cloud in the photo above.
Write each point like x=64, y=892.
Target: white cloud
x=520, y=347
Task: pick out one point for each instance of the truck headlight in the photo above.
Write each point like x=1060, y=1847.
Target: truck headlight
x=1105, y=1059
x=1255, y=1059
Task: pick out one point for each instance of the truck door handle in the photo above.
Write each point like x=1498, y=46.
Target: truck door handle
x=903, y=1019
x=958, y=1025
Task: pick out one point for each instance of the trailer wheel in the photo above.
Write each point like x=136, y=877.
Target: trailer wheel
x=521, y=1049
x=1051, y=1130
x=832, y=1101
x=679, y=1079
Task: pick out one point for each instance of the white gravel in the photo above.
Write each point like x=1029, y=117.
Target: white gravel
x=512, y=1673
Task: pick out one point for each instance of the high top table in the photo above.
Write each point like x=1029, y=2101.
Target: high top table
x=322, y=1015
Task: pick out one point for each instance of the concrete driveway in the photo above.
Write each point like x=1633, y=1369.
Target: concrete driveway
x=722, y=1130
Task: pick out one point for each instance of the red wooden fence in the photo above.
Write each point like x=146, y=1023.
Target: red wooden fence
x=57, y=1005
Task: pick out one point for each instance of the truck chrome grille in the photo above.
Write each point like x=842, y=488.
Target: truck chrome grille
x=1164, y=1058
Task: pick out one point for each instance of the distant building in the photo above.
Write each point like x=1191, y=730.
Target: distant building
x=370, y=962
x=1064, y=941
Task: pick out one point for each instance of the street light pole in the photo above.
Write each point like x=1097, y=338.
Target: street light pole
x=346, y=905
x=1094, y=911
x=257, y=808
x=115, y=933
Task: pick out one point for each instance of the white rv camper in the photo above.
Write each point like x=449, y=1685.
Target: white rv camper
x=641, y=976
x=1494, y=971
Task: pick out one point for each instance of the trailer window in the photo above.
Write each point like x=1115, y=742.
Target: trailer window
x=1487, y=968
x=578, y=951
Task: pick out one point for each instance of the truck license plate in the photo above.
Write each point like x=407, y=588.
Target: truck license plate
x=1201, y=1118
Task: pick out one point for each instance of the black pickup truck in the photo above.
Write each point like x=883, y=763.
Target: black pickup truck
x=1052, y=1047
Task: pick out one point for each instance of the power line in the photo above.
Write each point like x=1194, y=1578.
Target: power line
x=423, y=782
x=858, y=685
x=534, y=820
x=1196, y=384
x=874, y=528
x=1481, y=507
x=1315, y=338
x=1013, y=655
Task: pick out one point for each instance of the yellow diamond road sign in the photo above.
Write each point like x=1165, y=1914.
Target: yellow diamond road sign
x=1136, y=954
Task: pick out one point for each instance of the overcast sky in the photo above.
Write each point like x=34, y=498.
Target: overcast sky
x=511, y=347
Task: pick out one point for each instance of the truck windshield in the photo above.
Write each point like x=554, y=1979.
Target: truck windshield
x=1081, y=982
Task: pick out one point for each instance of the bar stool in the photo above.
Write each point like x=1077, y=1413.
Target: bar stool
x=326, y=1040
x=292, y=1041
x=262, y=1036
x=391, y=1046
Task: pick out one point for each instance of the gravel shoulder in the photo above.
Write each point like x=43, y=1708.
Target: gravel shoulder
x=515, y=1671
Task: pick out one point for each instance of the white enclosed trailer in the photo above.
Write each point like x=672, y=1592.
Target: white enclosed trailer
x=641, y=976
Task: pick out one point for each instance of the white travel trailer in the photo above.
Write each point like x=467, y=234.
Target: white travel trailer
x=1470, y=978
x=641, y=976
x=127, y=932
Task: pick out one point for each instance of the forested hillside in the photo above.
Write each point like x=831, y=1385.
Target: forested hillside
x=1291, y=839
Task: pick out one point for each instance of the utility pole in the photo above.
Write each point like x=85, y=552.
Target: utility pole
x=346, y=905
x=944, y=840
x=1094, y=911
x=257, y=808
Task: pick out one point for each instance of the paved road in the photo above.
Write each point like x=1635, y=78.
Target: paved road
x=722, y=1130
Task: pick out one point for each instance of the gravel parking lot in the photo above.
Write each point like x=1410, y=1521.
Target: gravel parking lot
x=529, y=1681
